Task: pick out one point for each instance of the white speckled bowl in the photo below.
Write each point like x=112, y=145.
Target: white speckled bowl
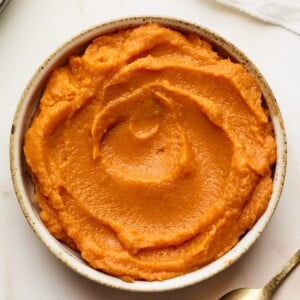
x=24, y=187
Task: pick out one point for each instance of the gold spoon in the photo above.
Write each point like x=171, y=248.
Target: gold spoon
x=268, y=290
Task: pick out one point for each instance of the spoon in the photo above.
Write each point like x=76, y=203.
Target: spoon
x=268, y=290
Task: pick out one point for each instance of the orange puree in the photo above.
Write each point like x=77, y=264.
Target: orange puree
x=150, y=154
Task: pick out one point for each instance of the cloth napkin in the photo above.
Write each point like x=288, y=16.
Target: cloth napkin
x=285, y=13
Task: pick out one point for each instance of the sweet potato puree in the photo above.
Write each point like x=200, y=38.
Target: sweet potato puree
x=150, y=154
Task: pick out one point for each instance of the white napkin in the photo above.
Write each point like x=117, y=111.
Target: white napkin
x=285, y=13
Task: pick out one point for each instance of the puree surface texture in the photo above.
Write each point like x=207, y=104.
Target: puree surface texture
x=150, y=154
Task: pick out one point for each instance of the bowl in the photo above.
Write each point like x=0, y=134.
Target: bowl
x=24, y=188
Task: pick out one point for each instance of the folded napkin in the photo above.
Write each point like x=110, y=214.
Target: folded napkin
x=285, y=13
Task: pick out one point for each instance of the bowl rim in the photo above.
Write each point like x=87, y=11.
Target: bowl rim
x=67, y=256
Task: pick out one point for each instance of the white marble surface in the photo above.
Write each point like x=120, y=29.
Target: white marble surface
x=29, y=31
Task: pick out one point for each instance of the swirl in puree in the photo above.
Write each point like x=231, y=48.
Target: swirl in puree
x=150, y=154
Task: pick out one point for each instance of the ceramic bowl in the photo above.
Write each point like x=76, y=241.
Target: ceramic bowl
x=24, y=187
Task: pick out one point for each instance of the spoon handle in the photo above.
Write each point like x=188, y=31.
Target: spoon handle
x=271, y=286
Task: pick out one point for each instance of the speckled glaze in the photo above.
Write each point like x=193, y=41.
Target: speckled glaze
x=24, y=187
